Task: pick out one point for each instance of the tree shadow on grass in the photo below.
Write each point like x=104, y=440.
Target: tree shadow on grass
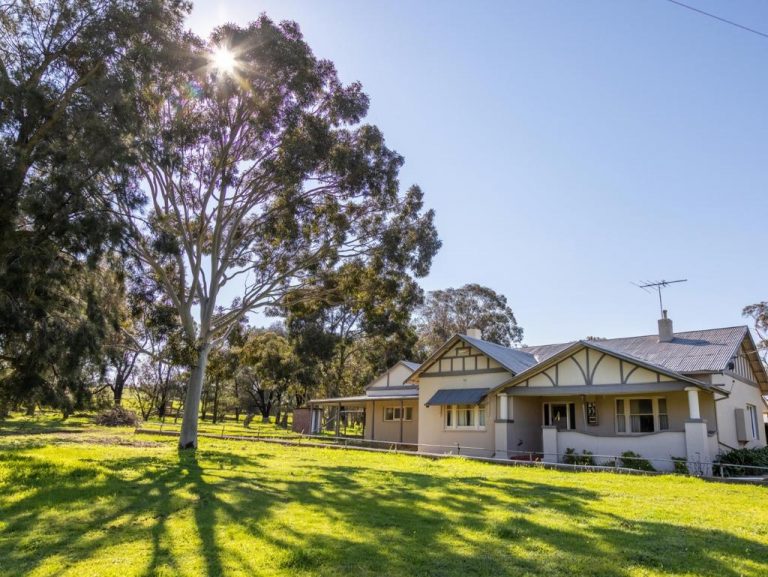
x=358, y=519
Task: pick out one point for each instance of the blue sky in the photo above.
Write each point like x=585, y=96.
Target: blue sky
x=568, y=147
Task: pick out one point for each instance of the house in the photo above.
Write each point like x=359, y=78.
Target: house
x=390, y=407
x=690, y=395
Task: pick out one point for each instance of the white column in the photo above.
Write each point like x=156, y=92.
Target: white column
x=549, y=443
x=693, y=403
x=503, y=406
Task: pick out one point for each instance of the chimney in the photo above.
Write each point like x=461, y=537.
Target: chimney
x=665, y=329
x=474, y=333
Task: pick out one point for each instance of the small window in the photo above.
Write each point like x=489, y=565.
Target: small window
x=621, y=421
x=663, y=417
x=752, y=412
x=398, y=413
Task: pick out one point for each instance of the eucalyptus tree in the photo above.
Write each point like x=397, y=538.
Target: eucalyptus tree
x=454, y=310
x=259, y=176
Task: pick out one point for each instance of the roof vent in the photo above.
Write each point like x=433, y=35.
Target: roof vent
x=475, y=333
x=666, y=335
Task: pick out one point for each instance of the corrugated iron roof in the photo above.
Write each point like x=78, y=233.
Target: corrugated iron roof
x=411, y=365
x=688, y=352
x=515, y=360
x=457, y=397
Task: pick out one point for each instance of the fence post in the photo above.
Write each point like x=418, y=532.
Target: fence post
x=458, y=449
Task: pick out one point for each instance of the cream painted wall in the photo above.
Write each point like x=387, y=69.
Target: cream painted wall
x=603, y=369
x=394, y=377
x=742, y=393
x=432, y=429
x=377, y=429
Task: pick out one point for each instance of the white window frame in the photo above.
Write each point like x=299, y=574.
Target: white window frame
x=398, y=414
x=752, y=412
x=451, y=411
x=547, y=413
x=628, y=415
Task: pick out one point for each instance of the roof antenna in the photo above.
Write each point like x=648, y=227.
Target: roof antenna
x=647, y=286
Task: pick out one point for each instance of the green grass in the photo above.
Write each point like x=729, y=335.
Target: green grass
x=86, y=501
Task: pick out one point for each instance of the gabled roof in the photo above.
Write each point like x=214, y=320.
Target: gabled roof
x=576, y=346
x=703, y=351
x=514, y=360
x=410, y=365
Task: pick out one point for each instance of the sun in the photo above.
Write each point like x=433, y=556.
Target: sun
x=224, y=60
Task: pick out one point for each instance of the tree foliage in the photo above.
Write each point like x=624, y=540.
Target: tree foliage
x=758, y=312
x=71, y=73
x=264, y=176
x=450, y=311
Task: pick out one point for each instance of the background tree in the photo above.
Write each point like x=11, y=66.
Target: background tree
x=71, y=72
x=268, y=368
x=759, y=314
x=259, y=174
x=451, y=311
x=357, y=328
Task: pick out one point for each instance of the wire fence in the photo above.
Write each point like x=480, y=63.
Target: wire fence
x=569, y=461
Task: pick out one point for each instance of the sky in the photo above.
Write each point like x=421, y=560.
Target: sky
x=569, y=148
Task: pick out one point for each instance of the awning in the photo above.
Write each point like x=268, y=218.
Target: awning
x=362, y=399
x=457, y=397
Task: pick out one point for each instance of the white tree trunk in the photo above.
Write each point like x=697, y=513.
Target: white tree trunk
x=188, y=437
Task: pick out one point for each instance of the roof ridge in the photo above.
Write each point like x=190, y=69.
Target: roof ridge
x=746, y=327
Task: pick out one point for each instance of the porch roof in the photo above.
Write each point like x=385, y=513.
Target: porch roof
x=457, y=397
x=362, y=399
x=617, y=389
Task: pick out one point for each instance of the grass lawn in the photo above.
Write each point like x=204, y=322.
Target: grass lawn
x=78, y=500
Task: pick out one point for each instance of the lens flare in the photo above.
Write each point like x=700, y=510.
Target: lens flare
x=224, y=60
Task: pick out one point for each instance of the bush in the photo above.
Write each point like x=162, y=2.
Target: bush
x=746, y=457
x=681, y=465
x=117, y=417
x=632, y=460
x=571, y=457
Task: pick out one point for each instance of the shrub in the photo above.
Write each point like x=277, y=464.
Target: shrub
x=632, y=460
x=117, y=417
x=571, y=457
x=745, y=457
x=681, y=465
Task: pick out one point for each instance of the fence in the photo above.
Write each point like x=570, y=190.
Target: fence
x=615, y=463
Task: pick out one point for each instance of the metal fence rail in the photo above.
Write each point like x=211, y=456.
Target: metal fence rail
x=615, y=463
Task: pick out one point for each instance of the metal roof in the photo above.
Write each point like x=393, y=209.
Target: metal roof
x=515, y=360
x=411, y=365
x=457, y=397
x=362, y=399
x=708, y=350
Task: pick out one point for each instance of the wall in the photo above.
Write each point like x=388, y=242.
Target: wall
x=431, y=419
x=742, y=393
x=377, y=429
x=393, y=377
x=524, y=434
x=660, y=446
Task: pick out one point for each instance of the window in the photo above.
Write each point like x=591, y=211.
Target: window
x=560, y=415
x=641, y=415
x=466, y=417
x=398, y=413
x=752, y=412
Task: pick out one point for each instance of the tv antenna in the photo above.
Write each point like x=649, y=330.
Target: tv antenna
x=648, y=286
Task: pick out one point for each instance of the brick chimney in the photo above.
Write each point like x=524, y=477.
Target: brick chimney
x=665, y=328
x=475, y=333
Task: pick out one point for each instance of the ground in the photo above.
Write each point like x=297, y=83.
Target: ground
x=82, y=500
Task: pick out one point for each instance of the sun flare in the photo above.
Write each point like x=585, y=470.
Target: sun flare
x=224, y=60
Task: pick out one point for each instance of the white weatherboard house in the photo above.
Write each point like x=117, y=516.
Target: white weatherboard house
x=688, y=395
